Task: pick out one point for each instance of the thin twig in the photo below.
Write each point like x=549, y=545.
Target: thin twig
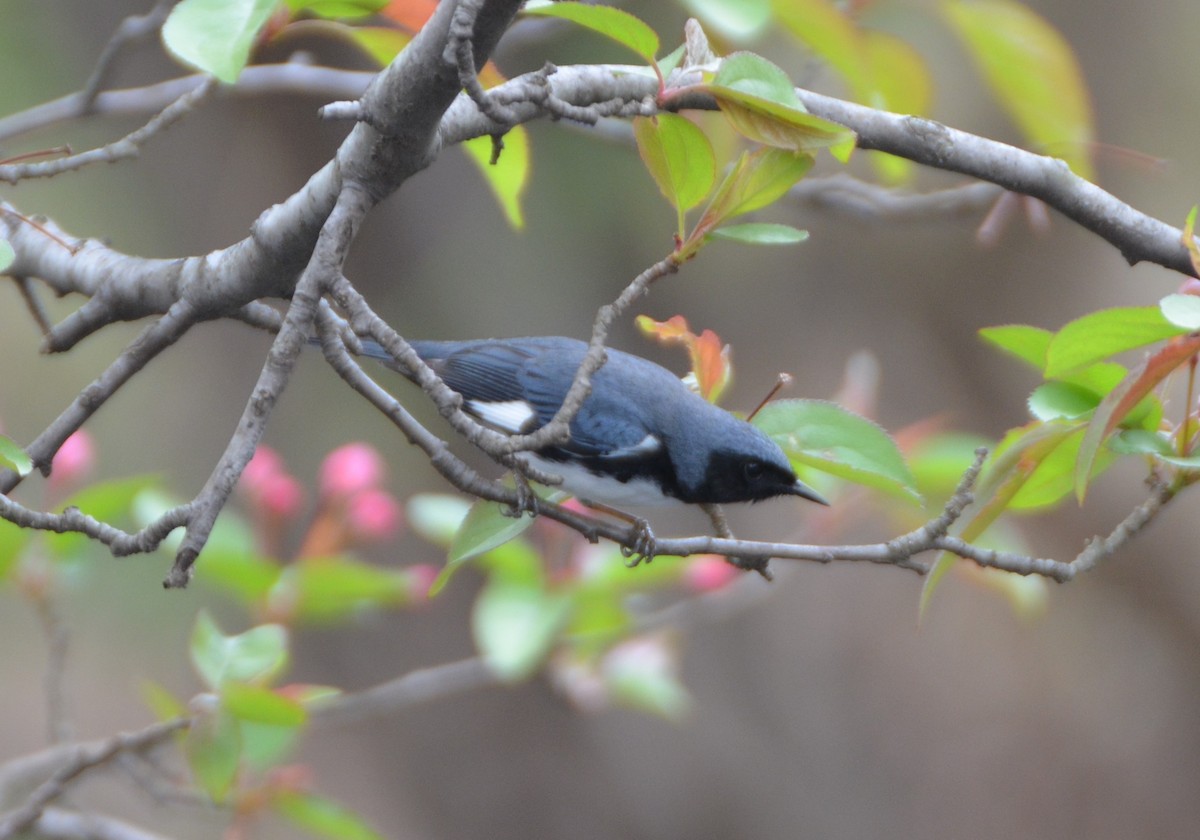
x=84, y=758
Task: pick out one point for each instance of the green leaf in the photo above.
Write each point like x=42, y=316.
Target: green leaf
x=760, y=102
x=381, y=43
x=213, y=747
x=938, y=462
x=1054, y=477
x=736, y=19
x=509, y=176
x=1141, y=442
x=879, y=69
x=342, y=9
x=322, y=589
x=258, y=704
x=829, y=438
x=832, y=36
x=485, y=527
x=437, y=517
x=13, y=457
x=616, y=24
x=515, y=626
x=901, y=83
x=761, y=233
x=7, y=255
x=1062, y=400
x=322, y=817
x=13, y=540
x=1032, y=71
x=1182, y=311
x=216, y=36
x=757, y=179
x=1105, y=333
x=641, y=673
x=1123, y=401
x=1029, y=344
x=108, y=501
x=254, y=656
x=247, y=575
x=678, y=156
x=164, y=704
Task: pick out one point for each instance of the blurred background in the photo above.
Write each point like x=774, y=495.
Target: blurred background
x=823, y=710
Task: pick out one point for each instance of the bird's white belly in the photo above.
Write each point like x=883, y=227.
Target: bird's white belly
x=586, y=485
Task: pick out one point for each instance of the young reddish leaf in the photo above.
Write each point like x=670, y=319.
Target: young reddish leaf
x=679, y=158
x=1033, y=72
x=709, y=358
x=509, y=176
x=410, y=14
x=1099, y=335
x=1029, y=344
x=216, y=36
x=760, y=102
x=323, y=817
x=761, y=233
x=616, y=24
x=1115, y=407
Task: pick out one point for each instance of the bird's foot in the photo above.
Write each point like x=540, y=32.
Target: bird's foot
x=642, y=544
x=526, y=501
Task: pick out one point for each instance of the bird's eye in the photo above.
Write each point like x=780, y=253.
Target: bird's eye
x=753, y=470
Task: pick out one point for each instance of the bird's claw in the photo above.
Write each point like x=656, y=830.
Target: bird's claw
x=642, y=544
x=526, y=501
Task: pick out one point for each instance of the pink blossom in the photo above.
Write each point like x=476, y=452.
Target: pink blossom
x=349, y=469
x=709, y=573
x=420, y=581
x=265, y=464
x=280, y=495
x=372, y=515
x=74, y=459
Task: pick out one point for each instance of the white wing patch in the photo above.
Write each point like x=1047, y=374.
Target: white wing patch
x=646, y=446
x=513, y=416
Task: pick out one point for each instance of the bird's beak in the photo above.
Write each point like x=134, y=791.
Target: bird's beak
x=802, y=489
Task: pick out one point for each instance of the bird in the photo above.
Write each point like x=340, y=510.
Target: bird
x=641, y=438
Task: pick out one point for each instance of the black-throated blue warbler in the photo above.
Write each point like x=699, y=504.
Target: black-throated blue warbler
x=640, y=438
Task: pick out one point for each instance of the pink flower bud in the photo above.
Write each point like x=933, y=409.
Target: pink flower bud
x=280, y=495
x=372, y=515
x=265, y=464
x=708, y=573
x=349, y=469
x=74, y=459
x=420, y=581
